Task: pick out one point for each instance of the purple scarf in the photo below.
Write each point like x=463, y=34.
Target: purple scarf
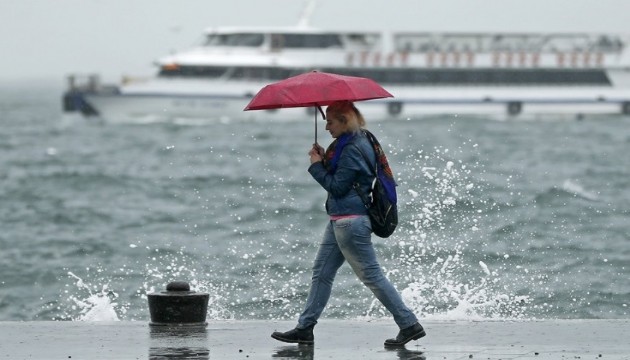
x=333, y=153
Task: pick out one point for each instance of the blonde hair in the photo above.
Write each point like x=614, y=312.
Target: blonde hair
x=347, y=114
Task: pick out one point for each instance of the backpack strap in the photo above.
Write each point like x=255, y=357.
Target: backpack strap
x=367, y=201
x=375, y=172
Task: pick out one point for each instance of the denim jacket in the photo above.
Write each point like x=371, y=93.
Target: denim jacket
x=351, y=168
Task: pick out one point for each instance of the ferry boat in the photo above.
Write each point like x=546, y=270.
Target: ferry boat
x=508, y=75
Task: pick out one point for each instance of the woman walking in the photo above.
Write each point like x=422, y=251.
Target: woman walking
x=348, y=233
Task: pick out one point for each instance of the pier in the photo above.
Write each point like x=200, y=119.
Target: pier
x=334, y=339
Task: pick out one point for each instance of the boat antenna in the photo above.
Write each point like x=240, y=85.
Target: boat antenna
x=305, y=17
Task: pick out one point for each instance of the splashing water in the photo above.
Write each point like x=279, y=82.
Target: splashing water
x=89, y=303
x=99, y=306
x=168, y=267
x=436, y=257
x=577, y=190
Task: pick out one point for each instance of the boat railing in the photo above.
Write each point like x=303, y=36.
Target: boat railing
x=485, y=43
x=470, y=59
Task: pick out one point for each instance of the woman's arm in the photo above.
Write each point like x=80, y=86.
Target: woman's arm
x=348, y=168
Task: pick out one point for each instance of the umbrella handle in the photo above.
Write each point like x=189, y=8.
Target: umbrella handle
x=321, y=111
x=323, y=115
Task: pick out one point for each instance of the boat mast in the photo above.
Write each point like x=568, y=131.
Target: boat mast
x=305, y=17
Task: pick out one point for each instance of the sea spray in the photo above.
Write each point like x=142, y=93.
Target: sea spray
x=437, y=251
x=263, y=271
x=577, y=190
x=93, y=306
x=99, y=298
x=169, y=266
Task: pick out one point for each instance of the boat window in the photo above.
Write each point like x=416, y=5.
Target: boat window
x=362, y=39
x=232, y=72
x=310, y=41
x=407, y=76
x=249, y=73
x=193, y=71
x=243, y=39
x=212, y=40
x=262, y=73
x=481, y=77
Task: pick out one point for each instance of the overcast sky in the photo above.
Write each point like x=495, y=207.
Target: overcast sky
x=52, y=38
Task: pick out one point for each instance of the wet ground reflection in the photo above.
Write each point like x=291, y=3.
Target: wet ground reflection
x=179, y=342
x=299, y=352
x=406, y=354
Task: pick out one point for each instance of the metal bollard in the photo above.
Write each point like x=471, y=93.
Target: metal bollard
x=178, y=306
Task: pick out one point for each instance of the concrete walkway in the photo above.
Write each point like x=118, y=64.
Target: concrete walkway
x=334, y=339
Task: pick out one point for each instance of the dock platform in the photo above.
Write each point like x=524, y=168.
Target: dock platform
x=334, y=339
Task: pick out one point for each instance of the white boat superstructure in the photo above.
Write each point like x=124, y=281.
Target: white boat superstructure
x=502, y=74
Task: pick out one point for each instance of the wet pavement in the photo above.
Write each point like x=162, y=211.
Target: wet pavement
x=334, y=339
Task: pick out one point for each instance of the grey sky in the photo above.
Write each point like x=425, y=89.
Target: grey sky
x=51, y=38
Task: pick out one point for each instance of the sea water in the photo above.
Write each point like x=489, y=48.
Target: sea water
x=499, y=219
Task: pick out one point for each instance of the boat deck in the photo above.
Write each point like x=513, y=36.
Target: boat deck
x=334, y=339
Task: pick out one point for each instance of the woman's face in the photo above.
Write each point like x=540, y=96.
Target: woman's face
x=335, y=126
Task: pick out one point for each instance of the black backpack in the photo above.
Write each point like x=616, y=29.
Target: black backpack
x=381, y=203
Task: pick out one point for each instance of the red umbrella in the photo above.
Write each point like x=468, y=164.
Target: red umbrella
x=317, y=89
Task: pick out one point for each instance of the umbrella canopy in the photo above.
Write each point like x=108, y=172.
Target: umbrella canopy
x=316, y=88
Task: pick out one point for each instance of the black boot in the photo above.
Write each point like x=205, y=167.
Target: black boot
x=300, y=336
x=414, y=332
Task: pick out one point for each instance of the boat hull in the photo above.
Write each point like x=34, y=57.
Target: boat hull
x=408, y=103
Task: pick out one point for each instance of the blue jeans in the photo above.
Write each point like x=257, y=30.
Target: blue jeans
x=350, y=239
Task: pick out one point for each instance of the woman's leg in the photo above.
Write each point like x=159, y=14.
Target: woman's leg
x=354, y=239
x=329, y=259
